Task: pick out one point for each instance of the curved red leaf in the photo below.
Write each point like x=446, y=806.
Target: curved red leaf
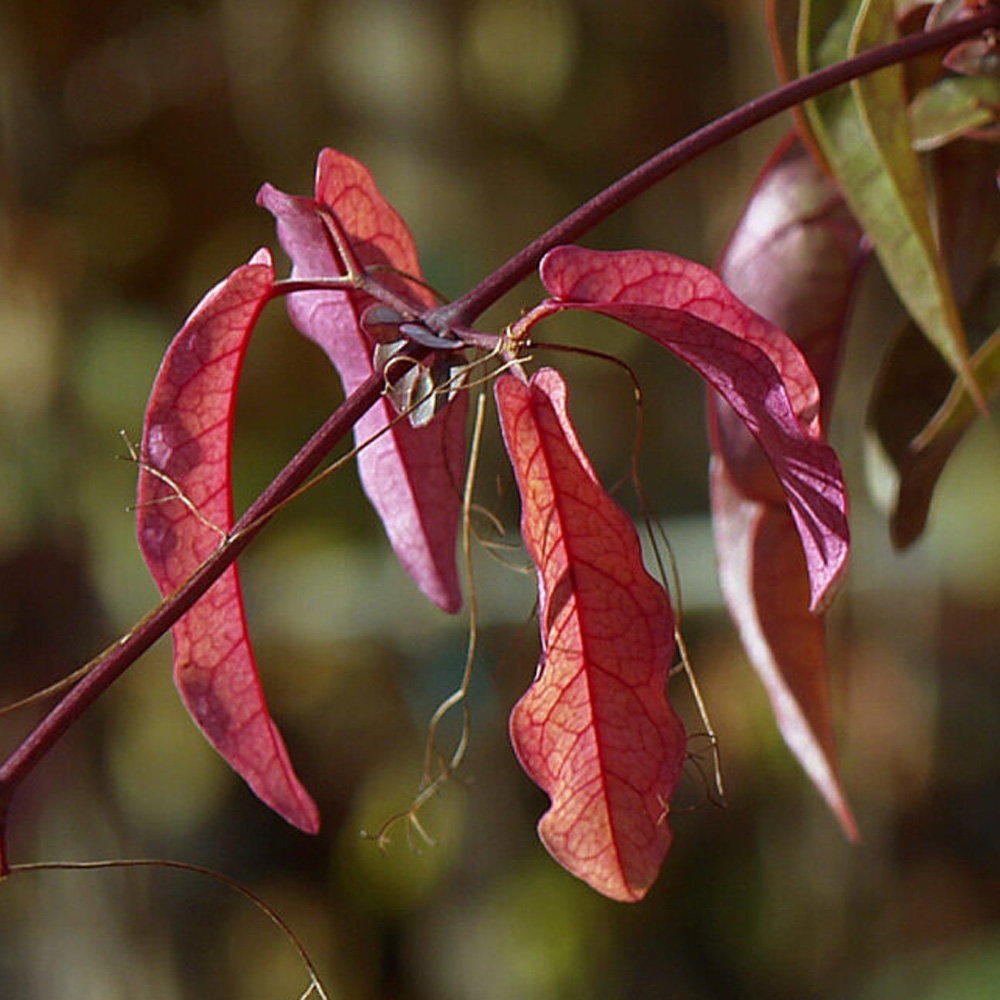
x=184, y=509
x=763, y=577
x=595, y=729
x=795, y=256
x=412, y=476
x=748, y=360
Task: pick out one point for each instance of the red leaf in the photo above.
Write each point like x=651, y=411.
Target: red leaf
x=748, y=360
x=595, y=729
x=795, y=257
x=412, y=476
x=187, y=437
x=763, y=577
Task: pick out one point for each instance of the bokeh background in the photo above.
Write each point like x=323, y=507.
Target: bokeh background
x=133, y=137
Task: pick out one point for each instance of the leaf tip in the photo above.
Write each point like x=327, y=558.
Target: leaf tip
x=305, y=817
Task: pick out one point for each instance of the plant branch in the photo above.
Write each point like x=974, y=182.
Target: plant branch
x=111, y=664
x=464, y=310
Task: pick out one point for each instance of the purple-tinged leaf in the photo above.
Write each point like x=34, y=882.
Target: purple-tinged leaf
x=185, y=509
x=794, y=256
x=412, y=476
x=748, y=360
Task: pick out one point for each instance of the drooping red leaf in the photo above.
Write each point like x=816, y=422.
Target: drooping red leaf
x=595, y=729
x=763, y=577
x=794, y=257
x=748, y=360
x=184, y=510
x=412, y=476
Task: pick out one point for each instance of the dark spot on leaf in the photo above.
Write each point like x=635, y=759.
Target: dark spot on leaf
x=558, y=599
x=158, y=538
x=206, y=705
x=171, y=448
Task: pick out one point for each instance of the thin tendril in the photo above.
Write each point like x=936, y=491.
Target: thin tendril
x=432, y=783
x=176, y=494
x=702, y=711
x=315, y=983
x=57, y=687
x=460, y=695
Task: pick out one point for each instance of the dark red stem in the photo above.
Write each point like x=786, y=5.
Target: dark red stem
x=461, y=312
x=156, y=624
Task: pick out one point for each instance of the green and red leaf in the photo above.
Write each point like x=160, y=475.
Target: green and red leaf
x=185, y=509
x=867, y=143
x=595, y=730
x=411, y=475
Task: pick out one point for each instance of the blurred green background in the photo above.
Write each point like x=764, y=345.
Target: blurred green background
x=133, y=138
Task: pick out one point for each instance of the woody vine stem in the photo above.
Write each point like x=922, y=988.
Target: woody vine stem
x=444, y=320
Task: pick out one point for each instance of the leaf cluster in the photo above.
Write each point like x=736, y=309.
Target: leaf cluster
x=898, y=166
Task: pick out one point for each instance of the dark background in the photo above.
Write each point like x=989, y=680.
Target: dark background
x=133, y=138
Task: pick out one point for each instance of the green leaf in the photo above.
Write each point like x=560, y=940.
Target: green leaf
x=863, y=132
x=951, y=107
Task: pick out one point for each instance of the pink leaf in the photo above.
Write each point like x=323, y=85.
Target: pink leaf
x=748, y=360
x=794, y=256
x=184, y=510
x=595, y=729
x=412, y=476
